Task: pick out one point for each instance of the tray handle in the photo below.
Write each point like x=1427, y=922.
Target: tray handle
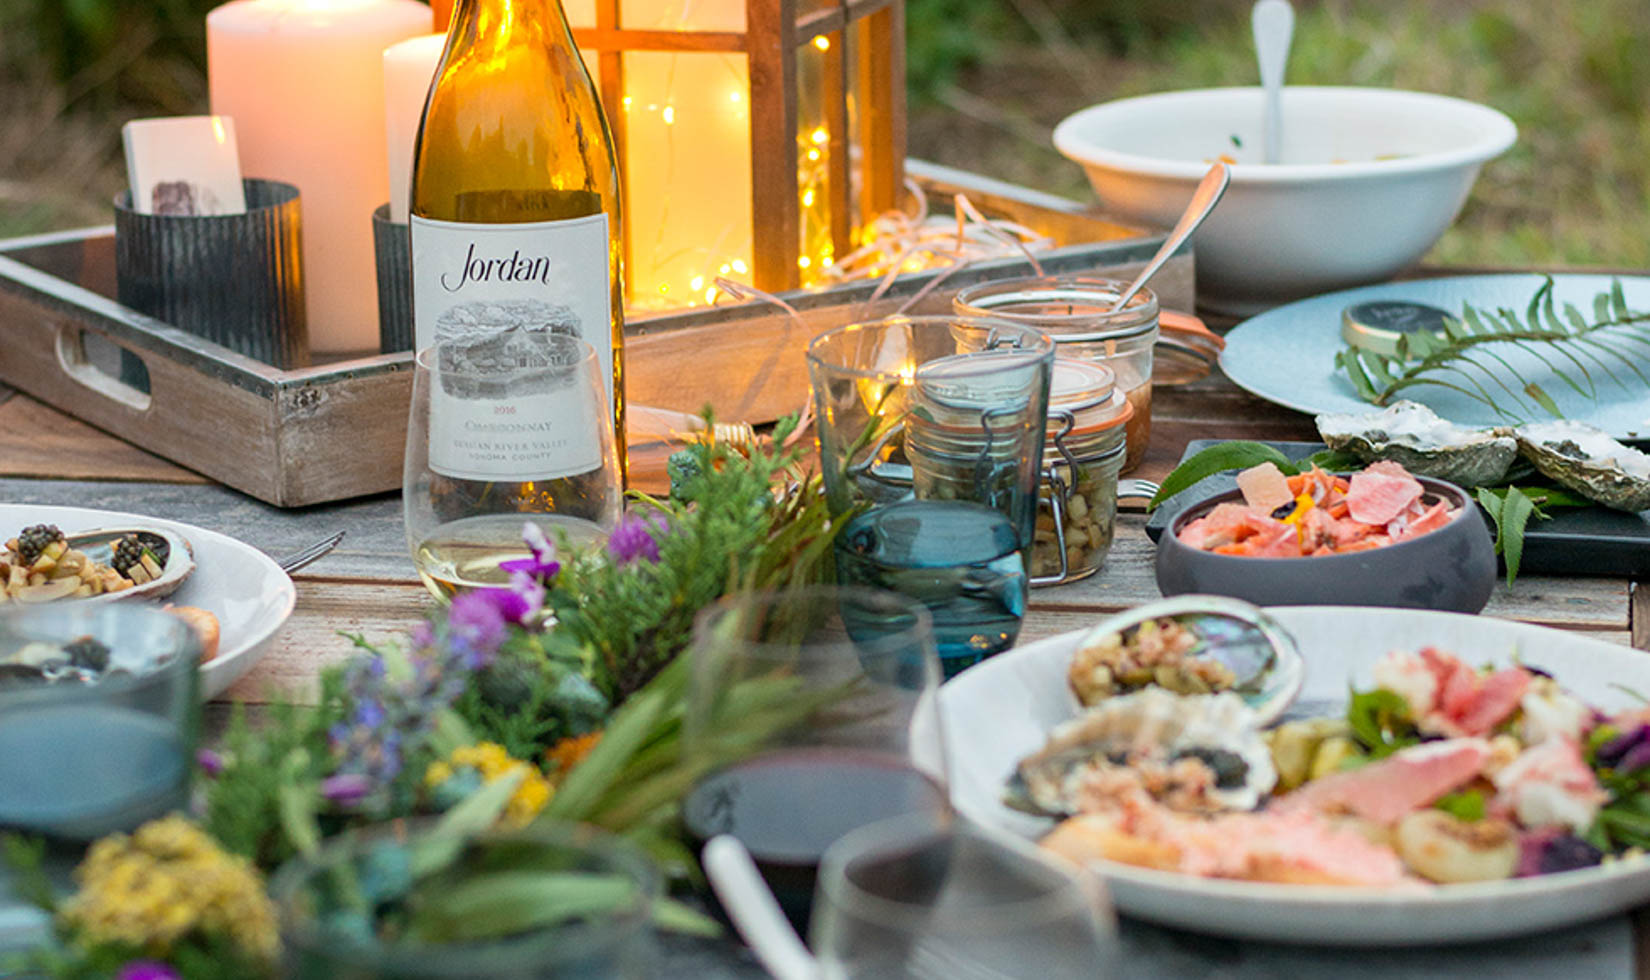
x=77, y=365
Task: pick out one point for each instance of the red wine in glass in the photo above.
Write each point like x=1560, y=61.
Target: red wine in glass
x=789, y=805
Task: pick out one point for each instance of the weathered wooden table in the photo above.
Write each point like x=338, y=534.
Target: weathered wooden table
x=369, y=585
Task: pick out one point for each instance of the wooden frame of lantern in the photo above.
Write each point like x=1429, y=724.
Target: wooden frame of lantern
x=863, y=78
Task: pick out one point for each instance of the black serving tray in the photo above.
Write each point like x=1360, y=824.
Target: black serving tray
x=1575, y=541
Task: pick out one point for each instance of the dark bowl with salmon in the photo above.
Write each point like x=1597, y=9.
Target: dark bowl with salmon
x=1439, y=555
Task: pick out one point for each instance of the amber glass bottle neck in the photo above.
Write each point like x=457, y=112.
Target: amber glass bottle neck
x=488, y=23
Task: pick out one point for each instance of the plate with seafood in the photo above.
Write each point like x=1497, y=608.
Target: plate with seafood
x=1439, y=778
x=235, y=595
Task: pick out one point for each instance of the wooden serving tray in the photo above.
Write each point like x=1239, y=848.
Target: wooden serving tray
x=333, y=431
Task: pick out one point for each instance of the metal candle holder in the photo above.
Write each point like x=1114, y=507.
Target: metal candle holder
x=234, y=279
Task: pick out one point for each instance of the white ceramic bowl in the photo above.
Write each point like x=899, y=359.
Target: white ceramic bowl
x=1369, y=179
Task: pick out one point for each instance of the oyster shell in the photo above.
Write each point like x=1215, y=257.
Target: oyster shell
x=1586, y=460
x=1149, y=729
x=171, y=551
x=1234, y=646
x=1413, y=435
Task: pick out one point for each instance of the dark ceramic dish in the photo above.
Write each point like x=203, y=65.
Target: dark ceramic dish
x=1452, y=568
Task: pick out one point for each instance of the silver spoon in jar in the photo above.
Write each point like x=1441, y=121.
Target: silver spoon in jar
x=1204, y=199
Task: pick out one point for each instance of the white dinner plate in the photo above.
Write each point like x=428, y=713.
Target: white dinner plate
x=1287, y=355
x=233, y=581
x=1002, y=710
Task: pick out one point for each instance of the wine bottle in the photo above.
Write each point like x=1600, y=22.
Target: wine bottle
x=515, y=217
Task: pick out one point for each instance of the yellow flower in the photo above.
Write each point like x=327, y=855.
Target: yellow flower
x=165, y=882
x=437, y=773
x=492, y=762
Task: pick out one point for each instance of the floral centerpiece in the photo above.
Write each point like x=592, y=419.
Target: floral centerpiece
x=559, y=698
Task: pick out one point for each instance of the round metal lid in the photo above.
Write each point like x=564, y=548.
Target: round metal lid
x=1088, y=390
x=1376, y=325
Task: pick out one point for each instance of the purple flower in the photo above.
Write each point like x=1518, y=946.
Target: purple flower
x=1628, y=751
x=530, y=589
x=423, y=635
x=147, y=970
x=210, y=762
x=346, y=788
x=542, y=565
x=477, y=621
x=389, y=711
x=637, y=537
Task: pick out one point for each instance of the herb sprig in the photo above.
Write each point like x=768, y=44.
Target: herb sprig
x=1467, y=358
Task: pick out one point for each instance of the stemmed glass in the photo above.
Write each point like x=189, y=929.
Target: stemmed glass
x=921, y=897
x=506, y=428
x=819, y=705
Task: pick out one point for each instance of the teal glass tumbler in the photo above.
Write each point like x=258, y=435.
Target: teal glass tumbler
x=931, y=434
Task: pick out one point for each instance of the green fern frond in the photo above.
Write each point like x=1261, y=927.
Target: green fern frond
x=1467, y=356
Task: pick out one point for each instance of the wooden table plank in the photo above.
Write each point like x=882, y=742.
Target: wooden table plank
x=312, y=639
x=39, y=441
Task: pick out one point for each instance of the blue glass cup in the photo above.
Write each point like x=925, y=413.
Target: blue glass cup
x=931, y=441
x=79, y=760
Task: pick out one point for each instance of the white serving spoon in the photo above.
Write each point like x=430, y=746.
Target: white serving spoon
x=1273, y=22
x=755, y=912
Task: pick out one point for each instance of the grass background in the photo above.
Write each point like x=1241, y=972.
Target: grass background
x=989, y=79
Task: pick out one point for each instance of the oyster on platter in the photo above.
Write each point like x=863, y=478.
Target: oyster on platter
x=1585, y=459
x=1198, y=753
x=1415, y=436
x=42, y=564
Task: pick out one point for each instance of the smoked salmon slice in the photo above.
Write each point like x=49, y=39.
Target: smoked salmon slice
x=1385, y=790
x=1377, y=498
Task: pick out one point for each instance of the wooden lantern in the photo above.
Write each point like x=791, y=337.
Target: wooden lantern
x=754, y=136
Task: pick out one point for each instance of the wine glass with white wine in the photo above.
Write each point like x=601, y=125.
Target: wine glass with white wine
x=507, y=427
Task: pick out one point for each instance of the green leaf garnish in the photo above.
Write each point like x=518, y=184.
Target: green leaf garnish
x=1381, y=722
x=1235, y=455
x=1510, y=509
x=1467, y=805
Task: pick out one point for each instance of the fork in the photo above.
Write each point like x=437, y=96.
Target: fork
x=305, y=556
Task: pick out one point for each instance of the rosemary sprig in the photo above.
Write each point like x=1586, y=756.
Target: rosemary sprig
x=1468, y=357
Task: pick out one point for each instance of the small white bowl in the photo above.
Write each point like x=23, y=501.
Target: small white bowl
x=1370, y=178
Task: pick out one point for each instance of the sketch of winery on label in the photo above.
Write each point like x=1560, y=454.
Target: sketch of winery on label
x=489, y=316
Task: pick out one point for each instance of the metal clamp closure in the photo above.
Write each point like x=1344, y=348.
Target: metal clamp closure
x=1059, y=492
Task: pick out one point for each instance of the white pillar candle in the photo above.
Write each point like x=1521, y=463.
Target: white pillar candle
x=408, y=68
x=303, y=80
